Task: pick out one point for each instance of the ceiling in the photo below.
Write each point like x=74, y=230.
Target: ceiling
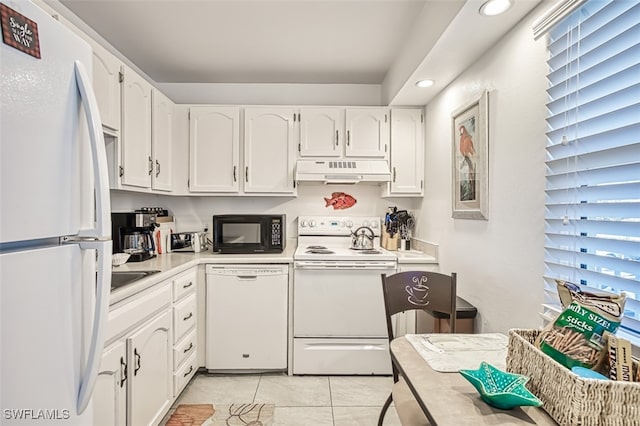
x=385, y=42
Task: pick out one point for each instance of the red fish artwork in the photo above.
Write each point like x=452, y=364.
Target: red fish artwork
x=340, y=201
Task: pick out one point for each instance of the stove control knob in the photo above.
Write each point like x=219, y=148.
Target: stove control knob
x=374, y=224
x=312, y=223
x=303, y=223
x=349, y=224
x=365, y=223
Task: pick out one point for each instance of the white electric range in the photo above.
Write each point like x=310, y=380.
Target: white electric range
x=339, y=324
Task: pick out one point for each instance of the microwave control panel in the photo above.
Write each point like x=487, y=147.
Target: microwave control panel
x=276, y=227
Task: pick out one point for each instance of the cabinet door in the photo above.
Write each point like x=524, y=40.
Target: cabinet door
x=321, y=132
x=367, y=132
x=162, y=135
x=150, y=355
x=214, y=146
x=268, y=150
x=106, y=85
x=136, y=130
x=407, y=152
x=109, y=395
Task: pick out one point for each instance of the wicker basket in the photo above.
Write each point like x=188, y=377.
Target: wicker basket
x=568, y=398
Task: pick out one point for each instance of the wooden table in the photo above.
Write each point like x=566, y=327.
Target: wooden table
x=449, y=399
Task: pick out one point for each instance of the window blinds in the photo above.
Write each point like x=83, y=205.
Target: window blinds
x=592, y=223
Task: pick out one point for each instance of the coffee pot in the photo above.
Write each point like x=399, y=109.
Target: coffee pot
x=133, y=234
x=362, y=238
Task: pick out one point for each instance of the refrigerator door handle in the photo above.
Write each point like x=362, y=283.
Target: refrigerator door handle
x=98, y=154
x=99, y=328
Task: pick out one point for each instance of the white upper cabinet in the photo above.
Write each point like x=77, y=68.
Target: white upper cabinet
x=162, y=119
x=367, y=132
x=407, y=152
x=269, y=150
x=137, y=164
x=321, y=132
x=214, y=147
x=106, y=85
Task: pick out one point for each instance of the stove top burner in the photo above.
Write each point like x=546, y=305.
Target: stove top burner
x=320, y=251
x=316, y=248
x=368, y=251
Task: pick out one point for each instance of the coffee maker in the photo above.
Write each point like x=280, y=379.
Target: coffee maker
x=132, y=233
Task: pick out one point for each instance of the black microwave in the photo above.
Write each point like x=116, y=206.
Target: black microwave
x=249, y=233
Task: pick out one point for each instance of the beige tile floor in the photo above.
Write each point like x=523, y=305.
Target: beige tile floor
x=299, y=400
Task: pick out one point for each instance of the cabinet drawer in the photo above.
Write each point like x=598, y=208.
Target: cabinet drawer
x=184, y=374
x=184, y=348
x=143, y=306
x=184, y=284
x=184, y=317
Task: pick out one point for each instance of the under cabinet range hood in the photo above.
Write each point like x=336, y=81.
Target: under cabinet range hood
x=342, y=171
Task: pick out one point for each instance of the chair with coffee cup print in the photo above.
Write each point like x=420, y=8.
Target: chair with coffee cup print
x=411, y=291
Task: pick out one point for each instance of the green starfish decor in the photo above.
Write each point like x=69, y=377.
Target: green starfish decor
x=500, y=389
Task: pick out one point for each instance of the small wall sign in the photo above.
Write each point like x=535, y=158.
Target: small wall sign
x=19, y=32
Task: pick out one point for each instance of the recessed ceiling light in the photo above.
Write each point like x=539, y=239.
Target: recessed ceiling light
x=495, y=7
x=425, y=83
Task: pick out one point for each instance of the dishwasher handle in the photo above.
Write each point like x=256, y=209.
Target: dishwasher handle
x=246, y=277
x=247, y=272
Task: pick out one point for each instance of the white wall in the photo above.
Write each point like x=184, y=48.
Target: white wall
x=192, y=213
x=500, y=261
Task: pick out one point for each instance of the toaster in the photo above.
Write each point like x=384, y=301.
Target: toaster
x=189, y=242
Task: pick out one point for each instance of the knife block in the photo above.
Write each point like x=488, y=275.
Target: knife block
x=389, y=243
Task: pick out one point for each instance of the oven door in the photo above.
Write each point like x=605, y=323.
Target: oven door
x=339, y=299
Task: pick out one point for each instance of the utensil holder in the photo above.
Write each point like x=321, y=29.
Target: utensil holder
x=389, y=243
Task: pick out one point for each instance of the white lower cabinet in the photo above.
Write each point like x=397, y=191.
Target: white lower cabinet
x=150, y=355
x=150, y=352
x=110, y=394
x=185, y=336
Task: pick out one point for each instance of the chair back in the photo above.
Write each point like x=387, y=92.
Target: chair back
x=419, y=290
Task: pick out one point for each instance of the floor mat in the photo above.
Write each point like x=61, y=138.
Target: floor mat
x=242, y=415
x=191, y=415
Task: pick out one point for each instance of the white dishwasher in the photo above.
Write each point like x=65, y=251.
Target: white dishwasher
x=246, y=317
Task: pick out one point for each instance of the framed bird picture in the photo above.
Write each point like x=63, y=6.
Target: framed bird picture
x=470, y=159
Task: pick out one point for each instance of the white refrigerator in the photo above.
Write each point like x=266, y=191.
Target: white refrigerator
x=55, y=242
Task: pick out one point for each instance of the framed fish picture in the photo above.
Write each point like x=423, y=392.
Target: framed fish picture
x=470, y=159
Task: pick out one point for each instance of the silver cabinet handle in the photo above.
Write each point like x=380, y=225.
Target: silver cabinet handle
x=157, y=168
x=394, y=174
x=188, y=285
x=234, y=174
x=336, y=138
x=188, y=316
x=246, y=174
x=189, y=348
x=150, y=165
x=348, y=137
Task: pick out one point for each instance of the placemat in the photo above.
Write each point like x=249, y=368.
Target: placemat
x=450, y=353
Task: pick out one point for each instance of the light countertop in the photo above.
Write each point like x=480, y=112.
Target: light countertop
x=414, y=256
x=170, y=264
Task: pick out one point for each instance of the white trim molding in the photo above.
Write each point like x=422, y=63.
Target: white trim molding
x=554, y=15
